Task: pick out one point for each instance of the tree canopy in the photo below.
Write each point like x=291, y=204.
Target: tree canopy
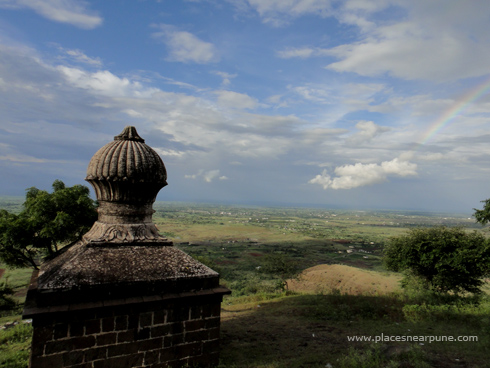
x=46, y=222
x=280, y=266
x=445, y=259
x=483, y=216
x=6, y=300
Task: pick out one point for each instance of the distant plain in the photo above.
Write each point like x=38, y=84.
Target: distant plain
x=340, y=289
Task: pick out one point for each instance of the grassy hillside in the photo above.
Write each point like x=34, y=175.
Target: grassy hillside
x=343, y=290
x=313, y=331
x=326, y=279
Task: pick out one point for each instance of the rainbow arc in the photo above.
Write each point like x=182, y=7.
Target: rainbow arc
x=455, y=110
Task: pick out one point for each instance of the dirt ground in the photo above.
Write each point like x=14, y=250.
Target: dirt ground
x=348, y=280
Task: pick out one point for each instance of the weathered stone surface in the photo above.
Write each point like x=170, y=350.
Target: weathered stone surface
x=124, y=264
x=85, y=273
x=126, y=159
x=124, y=233
x=126, y=175
x=165, y=331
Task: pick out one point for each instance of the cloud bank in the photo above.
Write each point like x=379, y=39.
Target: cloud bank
x=74, y=12
x=185, y=47
x=359, y=175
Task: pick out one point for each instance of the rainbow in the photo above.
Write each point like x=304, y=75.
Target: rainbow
x=454, y=111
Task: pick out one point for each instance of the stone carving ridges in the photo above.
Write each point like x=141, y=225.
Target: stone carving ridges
x=126, y=175
x=126, y=233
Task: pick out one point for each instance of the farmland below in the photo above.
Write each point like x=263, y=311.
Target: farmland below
x=337, y=287
x=235, y=239
x=340, y=289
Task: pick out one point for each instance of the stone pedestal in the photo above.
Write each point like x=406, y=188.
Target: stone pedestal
x=131, y=306
x=123, y=296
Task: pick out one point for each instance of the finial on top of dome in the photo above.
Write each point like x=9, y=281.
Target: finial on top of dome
x=129, y=134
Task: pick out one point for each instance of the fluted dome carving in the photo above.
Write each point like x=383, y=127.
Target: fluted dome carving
x=126, y=175
x=127, y=158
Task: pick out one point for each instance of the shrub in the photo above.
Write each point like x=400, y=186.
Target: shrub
x=443, y=259
x=6, y=301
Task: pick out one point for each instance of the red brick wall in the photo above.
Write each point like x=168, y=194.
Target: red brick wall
x=146, y=335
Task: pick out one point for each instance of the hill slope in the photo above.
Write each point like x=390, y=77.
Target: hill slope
x=346, y=279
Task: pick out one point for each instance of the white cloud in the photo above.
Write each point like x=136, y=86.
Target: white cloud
x=303, y=53
x=315, y=93
x=280, y=125
x=133, y=113
x=235, y=100
x=207, y=176
x=73, y=12
x=275, y=99
x=193, y=176
x=169, y=152
x=185, y=47
x=342, y=98
x=367, y=131
x=412, y=57
x=358, y=175
x=418, y=46
x=79, y=57
x=103, y=82
x=418, y=105
x=200, y=126
x=278, y=12
x=421, y=42
x=432, y=157
x=212, y=124
x=22, y=159
x=320, y=136
x=227, y=77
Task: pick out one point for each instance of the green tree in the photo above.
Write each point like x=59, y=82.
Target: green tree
x=280, y=266
x=6, y=301
x=483, y=216
x=46, y=222
x=444, y=259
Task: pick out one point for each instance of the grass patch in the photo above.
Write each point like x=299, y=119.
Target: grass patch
x=376, y=356
x=15, y=346
x=18, y=279
x=312, y=331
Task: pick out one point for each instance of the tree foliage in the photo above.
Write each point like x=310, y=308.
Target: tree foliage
x=483, y=216
x=6, y=301
x=46, y=222
x=280, y=266
x=445, y=259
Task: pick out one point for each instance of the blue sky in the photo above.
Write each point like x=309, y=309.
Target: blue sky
x=353, y=103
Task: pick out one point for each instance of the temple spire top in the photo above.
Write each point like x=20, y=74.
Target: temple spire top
x=129, y=134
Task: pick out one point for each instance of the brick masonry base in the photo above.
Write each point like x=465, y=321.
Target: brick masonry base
x=183, y=332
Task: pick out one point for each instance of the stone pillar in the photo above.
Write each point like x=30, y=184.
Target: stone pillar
x=123, y=296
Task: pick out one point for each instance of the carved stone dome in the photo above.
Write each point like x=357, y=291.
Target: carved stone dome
x=126, y=175
x=127, y=158
x=124, y=166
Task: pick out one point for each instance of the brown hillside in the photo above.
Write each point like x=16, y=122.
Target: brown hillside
x=346, y=279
